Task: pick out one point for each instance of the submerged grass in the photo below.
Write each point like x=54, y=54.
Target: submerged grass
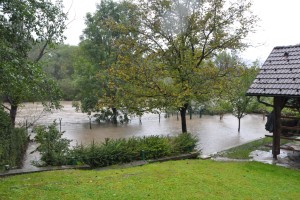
x=186, y=179
x=243, y=151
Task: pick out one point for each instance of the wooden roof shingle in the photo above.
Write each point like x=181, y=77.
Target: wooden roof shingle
x=279, y=75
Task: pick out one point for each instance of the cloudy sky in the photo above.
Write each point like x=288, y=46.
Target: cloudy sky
x=279, y=25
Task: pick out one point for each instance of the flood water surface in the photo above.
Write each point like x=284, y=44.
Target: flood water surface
x=214, y=134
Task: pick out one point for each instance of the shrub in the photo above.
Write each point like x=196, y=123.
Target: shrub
x=107, y=153
x=115, y=151
x=156, y=146
x=53, y=148
x=184, y=142
x=13, y=142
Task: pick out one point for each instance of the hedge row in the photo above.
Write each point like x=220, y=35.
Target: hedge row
x=115, y=151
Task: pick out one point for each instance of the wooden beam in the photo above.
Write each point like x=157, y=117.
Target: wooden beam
x=287, y=138
x=288, y=117
x=262, y=102
x=296, y=128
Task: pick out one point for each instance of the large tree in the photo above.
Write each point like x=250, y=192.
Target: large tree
x=171, y=64
x=26, y=24
x=98, y=52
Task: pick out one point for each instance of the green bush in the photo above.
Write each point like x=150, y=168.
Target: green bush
x=115, y=151
x=156, y=146
x=107, y=153
x=184, y=142
x=13, y=142
x=53, y=148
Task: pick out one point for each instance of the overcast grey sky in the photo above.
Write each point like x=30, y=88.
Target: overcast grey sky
x=279, y=25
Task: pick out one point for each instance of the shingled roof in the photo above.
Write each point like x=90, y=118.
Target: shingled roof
x=279, y=75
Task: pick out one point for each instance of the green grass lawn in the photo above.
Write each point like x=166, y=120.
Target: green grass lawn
x=186, y=179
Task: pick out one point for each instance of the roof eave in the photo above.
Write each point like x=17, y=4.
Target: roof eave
x=272, y=95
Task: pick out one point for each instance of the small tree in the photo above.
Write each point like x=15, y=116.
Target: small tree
x=221, y=107
x=53, y=147
x=236, y=93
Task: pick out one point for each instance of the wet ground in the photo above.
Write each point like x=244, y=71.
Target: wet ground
x=215, y=135
x=286, y=158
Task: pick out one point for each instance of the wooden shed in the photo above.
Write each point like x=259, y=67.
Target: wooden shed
x=279, y=78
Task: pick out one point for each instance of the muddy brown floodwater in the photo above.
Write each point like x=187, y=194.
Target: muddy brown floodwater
x=214, y=134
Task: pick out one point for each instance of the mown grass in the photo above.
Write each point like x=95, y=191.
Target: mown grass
x=243, y=151
x=185, y=179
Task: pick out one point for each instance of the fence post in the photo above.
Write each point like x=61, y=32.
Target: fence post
x=159, y=117
x=60, y=124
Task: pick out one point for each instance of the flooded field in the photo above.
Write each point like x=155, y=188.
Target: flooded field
x=214, y=134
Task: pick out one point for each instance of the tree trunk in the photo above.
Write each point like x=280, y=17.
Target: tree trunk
x=239, y=128
x=115, y=114
x=13, y=113
x=221, y=116
x=183, y=117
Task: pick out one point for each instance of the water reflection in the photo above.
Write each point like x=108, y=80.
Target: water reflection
x=214, y=134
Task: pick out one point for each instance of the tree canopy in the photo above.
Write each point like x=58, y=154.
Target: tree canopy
x=171, y=60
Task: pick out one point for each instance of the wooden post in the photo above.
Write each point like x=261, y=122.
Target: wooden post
x=278, y=102
x=26, y=126
x=159, y=117
x=60, y=124
x=90, y=119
